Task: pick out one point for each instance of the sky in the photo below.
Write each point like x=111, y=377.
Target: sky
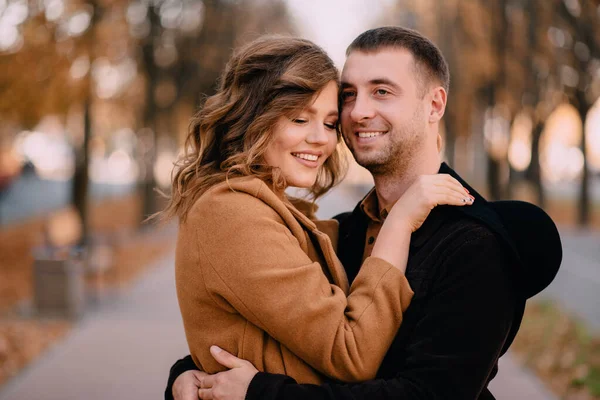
x=333, y=24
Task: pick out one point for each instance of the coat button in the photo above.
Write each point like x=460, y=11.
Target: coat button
x=371, y=240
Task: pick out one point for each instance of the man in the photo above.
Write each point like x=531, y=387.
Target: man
x=469, y=269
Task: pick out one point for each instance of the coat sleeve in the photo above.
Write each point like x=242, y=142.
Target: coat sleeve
x=180, y=366
x=454, y=347
x=251, y=259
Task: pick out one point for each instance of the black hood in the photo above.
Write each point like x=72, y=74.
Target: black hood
x=526, y=231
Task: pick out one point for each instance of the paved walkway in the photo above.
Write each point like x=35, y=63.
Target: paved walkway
x=124, y=351
x=577, y=284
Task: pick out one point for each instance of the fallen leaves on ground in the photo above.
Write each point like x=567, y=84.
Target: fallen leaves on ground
x=560, y=350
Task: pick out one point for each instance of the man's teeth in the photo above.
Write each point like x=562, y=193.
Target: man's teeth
x=369, y=134
x=309, y=157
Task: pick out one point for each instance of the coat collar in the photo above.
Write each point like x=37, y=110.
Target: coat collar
x=288, y=212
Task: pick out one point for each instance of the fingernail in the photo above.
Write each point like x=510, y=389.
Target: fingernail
x=215, y=349
x=466, y=190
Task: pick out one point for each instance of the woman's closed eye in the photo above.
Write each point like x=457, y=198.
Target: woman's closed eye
x=331, y=125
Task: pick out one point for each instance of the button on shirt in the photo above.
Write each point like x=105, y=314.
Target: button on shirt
x=370, y=206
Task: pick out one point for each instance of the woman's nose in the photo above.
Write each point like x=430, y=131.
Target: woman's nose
x=318, y=135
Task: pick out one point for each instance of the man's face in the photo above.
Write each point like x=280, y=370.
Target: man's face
x=383, y=112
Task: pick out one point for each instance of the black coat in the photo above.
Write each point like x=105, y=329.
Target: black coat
x=471, y=275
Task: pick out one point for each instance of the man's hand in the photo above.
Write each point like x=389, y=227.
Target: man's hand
x=227, y=385
x=187, y=384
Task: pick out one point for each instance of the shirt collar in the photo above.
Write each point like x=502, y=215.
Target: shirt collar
x=370, y=206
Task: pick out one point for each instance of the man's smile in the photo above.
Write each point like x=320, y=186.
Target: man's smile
x=364, y=137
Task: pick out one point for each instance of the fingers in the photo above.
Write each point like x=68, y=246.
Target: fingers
x=208, y=381
x=449, y=182
x=452, y=197
x=205, y=394
x=198, y=375
x=225, y=358
x=186, y=384
x=450, y=191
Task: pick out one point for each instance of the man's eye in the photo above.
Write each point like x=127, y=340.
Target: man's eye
x=348, y=95
x=381, y=92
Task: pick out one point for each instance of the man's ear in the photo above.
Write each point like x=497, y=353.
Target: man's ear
x=438, y=104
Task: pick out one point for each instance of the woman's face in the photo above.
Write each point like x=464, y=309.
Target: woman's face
x=301, y=146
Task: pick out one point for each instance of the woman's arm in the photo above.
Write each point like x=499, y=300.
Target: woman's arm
x=252, y=263
x=267, y=277
x=450, y=354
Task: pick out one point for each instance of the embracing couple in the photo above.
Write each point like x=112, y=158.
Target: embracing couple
x=413, y=295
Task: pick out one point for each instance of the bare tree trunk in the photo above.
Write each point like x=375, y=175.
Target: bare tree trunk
x=585, y=32
x=79, y=189
x=495, y=166
x=583, y=216
x=534, y=173
x=147, y=184
x=449, y=29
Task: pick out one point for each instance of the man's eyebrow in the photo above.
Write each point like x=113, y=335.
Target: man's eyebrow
x=384, y=81
x=374, y=81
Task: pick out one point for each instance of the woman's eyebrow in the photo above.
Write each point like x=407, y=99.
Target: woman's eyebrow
x=314, y=111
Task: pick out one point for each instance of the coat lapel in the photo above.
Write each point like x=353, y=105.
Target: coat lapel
x=334, y=265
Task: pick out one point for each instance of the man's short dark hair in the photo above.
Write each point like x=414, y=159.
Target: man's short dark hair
x=429, y=61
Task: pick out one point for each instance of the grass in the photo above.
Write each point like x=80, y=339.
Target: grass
x=561, y=350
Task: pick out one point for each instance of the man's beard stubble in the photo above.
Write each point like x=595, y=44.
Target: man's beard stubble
x=403, y=147
x=393, y=160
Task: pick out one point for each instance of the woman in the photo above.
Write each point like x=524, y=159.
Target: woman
x=254, y=274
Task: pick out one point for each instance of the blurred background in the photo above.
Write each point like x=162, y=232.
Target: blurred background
x=95, y=100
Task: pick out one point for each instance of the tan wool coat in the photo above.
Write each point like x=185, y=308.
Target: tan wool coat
x=257, y=277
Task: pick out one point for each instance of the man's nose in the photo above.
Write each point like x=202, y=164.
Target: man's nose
x=361, y=109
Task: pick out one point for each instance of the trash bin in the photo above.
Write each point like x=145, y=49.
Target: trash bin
x=59, y=285
x=99, y=261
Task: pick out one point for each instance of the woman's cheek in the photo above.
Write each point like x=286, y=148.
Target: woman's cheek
x=332, y=146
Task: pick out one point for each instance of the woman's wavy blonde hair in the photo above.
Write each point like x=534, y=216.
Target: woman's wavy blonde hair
x=269, y=78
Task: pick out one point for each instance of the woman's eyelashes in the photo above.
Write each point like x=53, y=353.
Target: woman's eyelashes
x=329, y=125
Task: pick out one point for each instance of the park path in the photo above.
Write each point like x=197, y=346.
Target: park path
x=124, y=349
